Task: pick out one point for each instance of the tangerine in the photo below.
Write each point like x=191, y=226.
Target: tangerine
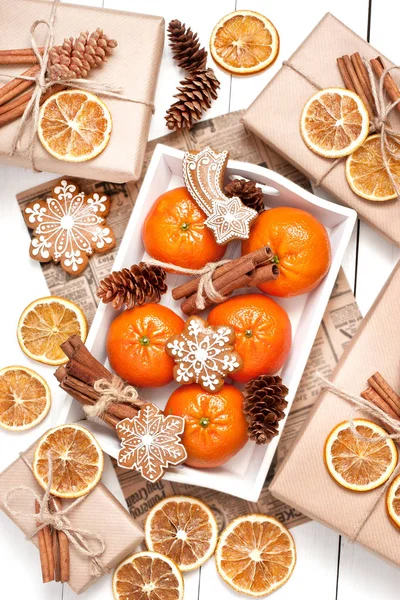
x=263, y=333
x=175, y=232
x=300, y=245
x=136, y=344
x=215, y=428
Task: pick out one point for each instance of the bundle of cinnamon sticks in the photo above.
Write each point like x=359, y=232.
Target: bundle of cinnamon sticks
x=355, y=78
x=382, y=395
x=81, y=372
x=53, y=549
x=247, y=271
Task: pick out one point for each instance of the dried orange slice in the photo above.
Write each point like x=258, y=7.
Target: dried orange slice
x=184, y=529
x=366, y=174
x=334, y=122
x=74, y=125
x=25, y=398
x=255, y=555
x=45, y=324
x=77, y=461
x=244, y=42
x=358, y=464
x=147, y=576
x=393, y=501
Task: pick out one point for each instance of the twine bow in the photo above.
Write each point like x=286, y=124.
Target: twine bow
x=389, y=136
x=111, y=391
x=360, y=403
x=206, y=285
x=43, y=84
x=59, y=520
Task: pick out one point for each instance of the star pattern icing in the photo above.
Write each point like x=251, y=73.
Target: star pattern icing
x=204, y=354
x=230, y=219
x=69, y=227
x=150, y=442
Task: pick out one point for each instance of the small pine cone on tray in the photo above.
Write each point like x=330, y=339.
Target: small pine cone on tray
x=195, y=95
x=133, y=287
x=248, y=192
x=185, y=47
x=264, y=406
x=77, y=56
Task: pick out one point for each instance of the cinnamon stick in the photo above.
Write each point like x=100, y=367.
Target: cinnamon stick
x=56, y=555
x=74, y=348
x=60, y=549
x=358, y=88
x=18, y=111
x=260, y=256
x=18, y=59
x=14, y=87
x=372, y=396
x=387, y=393
x=345, y=75
x=363, y=77
x=47, y=573
x=22, y=99
x=389, y=83
x=20, y=52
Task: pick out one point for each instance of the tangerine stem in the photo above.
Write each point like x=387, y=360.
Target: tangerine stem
x=144, y=340
x=204, y=422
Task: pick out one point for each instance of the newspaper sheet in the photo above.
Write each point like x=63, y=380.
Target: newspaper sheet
x=337, y=328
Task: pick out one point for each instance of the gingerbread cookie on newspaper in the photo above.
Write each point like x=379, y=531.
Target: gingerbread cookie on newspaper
x=69, y=227
x=204, y=354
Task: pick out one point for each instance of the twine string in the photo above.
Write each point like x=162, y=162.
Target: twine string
x=360, y=403
x=43, y=84
x=206, y=288
x=380, y=123
x=114, y=391
x=59, y=520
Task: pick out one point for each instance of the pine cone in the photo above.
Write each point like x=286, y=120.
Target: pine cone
x=194, y=96
x=264, y=407
x=185, y=47
x=133, y=287
x=76, y=57
x=248, y=192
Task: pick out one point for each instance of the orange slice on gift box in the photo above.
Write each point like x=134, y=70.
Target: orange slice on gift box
x=184, y=529
x=244, y=42
x=77, y=461
x=334, y=122
x=45, y=324
x=360, y=463
x=74, y=125
x=393, y=501
x=255, y=555
x=365, y=171
x=147, y=576
x=25, y=398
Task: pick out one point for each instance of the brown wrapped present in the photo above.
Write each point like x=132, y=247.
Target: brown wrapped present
x=303, y=480
x=100, y=512
x=132, y=70
x=275, y=116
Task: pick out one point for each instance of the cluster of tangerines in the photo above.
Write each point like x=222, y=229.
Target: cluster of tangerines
x=175, y=232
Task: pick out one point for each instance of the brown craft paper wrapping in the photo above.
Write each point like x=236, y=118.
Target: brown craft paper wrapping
x=133, y=68
x=275, y=116
x=100, y=512
x=303, y=480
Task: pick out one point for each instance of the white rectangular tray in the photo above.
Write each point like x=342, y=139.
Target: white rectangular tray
x=244, y=474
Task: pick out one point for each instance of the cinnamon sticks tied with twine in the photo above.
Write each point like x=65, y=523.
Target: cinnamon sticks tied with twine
x=53, y=549
x=247, y=271
x=382, y=395
x=88, y=381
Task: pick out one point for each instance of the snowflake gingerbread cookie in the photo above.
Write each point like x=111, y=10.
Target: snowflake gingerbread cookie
x=203, y=173
x=69, y=227
x=150, y=442
x=204, y=354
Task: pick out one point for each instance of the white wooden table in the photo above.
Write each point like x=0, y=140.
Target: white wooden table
x=328, y=567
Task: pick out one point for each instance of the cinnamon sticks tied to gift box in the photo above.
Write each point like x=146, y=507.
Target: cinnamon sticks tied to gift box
x=53, y=549
x=79, y=375
x=355, y=78
x=247, y=271
x=382, y=395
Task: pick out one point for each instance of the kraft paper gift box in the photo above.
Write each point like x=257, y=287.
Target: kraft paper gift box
x=100, y=512
x=303, y=480
x=133, y=68
x=275, y=116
